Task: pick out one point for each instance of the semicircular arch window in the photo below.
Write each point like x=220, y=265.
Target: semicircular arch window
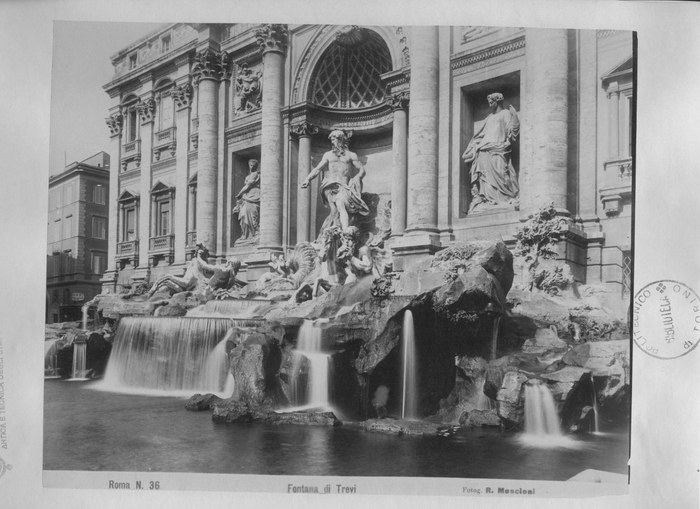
x=348, y=73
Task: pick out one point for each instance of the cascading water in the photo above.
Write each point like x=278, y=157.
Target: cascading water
x=596, y=429
x=318, y=387
x=541, y=420
x=483, y=402
x=50, y=358
x=409, y=369
x=234, y=308
x=79, y=361
x=169, y=356
x=494, y=340
x=85, y=309
x=216, y=369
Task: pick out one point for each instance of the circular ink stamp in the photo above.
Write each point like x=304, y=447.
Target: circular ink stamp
x=666, y=319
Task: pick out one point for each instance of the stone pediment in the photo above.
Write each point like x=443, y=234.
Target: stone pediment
x=128, y=196
x=160, y=188
x=193, y=180
x=622, y=69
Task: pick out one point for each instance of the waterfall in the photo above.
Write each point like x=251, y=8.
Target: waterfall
x=409, y=371
x=50, y=358
x=239, y=308
x=79, y=361
x=494, y=336
x=318, y=387
x=216, y=371
x=85, y=315
x=171, y=356
x=596, y=429
x=542, y=427
x=483, y=402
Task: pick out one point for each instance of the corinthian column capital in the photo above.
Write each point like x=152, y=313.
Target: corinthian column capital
x=115, y=122
x=146, y=110
x=398, y=101
x=182, y=94
x=209, y=64
x=272, y=38
x=304, y=129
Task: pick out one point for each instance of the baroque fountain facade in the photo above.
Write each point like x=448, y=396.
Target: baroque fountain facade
x=420, y=249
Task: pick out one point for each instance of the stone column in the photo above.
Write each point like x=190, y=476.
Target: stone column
x=115, y=124
x=547, y=117
x=146, y=110
x=399, y=179
x=182, y=97
x=304, y=131
x=614, y=121
x=423, y=131
x=421, y=237
x=587, y=129
x=272, y=40
x=209, y=67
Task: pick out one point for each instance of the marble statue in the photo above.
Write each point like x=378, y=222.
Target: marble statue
x=199, y=276
x=341, y=187
x=248, y=90
x=492, y=176
x=248, y=205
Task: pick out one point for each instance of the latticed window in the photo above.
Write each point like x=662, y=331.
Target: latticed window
x=626, y=271
x=348, y=74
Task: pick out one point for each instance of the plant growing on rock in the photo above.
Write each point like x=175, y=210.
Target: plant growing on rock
x=535, y=242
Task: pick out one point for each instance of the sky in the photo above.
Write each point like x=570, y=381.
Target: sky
x=79, y=104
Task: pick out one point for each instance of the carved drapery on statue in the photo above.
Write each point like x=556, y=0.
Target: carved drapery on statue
x=202, y=278
x=350, y=242
x=248, y=90
x=247, y=208
x=493, y=179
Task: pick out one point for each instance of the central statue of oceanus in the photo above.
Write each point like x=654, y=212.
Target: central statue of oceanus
x=341, y=187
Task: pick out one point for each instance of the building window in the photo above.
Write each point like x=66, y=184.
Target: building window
x=163, y=219
x=99, y=194
x=57, y=265
x=56, y=230
x=348, y=74
x=68, y=227
x=129, y=232
x=132, y=61
x=165, y=44
x=55, y=196
x=132, y=125
x=99, y=228
x=626, y=272
x=69, y=193
x=98, y=263
x=54, y=296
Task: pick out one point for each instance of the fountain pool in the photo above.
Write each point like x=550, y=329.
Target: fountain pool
x=103, y=431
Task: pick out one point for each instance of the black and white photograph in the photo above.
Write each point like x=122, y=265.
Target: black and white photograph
x=369, y=257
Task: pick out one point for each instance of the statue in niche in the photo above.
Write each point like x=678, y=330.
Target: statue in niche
x=248, y=90
x=341, y=188
x=492, y=176
x=248, y=205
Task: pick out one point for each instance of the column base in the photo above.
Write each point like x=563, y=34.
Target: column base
x=414, y=248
